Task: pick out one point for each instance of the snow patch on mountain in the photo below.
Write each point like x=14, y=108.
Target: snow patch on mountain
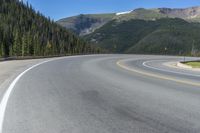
x=122, y=13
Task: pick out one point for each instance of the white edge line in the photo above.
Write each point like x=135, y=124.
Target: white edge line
x=145, y=64
x=6, y=95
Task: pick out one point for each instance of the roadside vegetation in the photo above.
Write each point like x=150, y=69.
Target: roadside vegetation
x=194, y=64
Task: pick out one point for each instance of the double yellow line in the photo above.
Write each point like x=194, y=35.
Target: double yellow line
x=120, y=64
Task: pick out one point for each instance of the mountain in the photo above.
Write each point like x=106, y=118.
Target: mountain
x=148, y=31
x=162, y=36
x=191, y=14
x=86, y=24
x=25, y=32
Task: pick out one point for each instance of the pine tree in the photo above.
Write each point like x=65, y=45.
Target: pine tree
x=25, y=32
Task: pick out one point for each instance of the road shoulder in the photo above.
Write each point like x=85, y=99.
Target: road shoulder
x=10, y=70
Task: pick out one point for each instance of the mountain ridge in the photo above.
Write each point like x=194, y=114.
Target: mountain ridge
x=84, y=24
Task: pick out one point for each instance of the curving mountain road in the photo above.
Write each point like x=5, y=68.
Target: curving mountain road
x=105, y=94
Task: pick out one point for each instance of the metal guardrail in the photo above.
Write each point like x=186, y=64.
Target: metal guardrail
x=35, y=57
x=29, y=57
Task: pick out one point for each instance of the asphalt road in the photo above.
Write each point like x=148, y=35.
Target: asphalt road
x=92, y=94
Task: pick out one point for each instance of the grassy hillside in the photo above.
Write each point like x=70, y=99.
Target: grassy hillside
x=162, y=36
x=24, y=32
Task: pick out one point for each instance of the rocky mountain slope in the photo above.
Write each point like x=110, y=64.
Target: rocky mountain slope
x=85, y=24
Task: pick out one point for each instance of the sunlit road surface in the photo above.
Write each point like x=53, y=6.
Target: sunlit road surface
x=104, y=94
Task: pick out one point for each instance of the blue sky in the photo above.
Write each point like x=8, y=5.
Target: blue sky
x=57, y=9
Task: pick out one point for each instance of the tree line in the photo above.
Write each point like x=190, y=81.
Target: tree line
x=25, y=32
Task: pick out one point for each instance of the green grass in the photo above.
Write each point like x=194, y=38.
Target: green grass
x=194, y=64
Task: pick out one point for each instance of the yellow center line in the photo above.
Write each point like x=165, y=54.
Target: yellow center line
x=157, y=76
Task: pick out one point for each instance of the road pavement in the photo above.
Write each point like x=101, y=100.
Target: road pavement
x=94, y=94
